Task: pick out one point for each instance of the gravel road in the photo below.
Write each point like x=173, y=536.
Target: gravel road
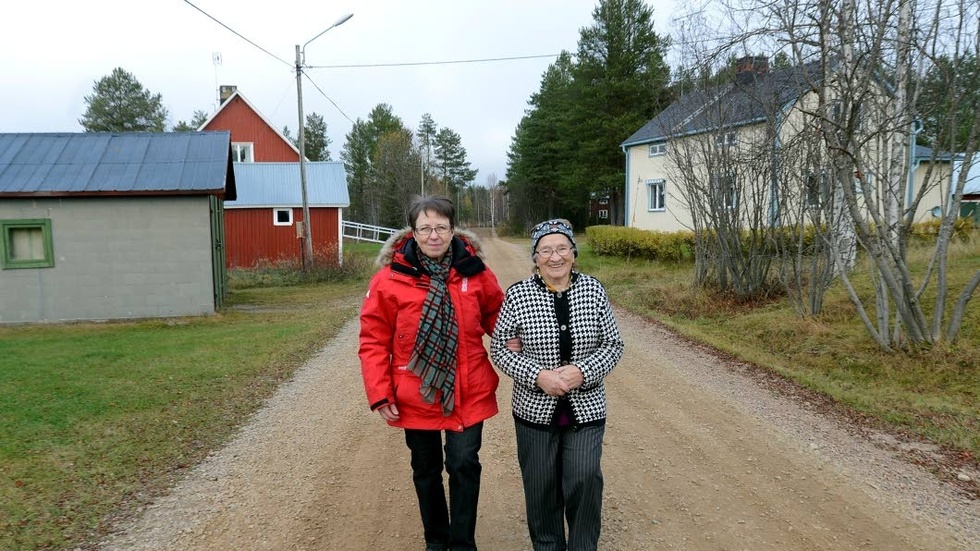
x=698, y=456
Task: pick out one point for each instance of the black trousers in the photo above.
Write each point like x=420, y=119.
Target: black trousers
x=560, y=467
x=452, y=527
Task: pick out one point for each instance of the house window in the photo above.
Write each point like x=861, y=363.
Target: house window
x=241, y=152
x=723, y=184
x=27, y=244
x=656, y=195
x=657, y=149
x=726, y=139
x=862, y=180
x=603, y=214
x=817, y=189
x=282, y=217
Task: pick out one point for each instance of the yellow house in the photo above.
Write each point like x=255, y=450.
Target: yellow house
x=759, y=126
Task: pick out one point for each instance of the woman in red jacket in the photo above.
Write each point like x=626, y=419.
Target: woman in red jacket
x=424, y=364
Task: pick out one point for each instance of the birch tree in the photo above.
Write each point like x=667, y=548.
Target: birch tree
x=866, y=112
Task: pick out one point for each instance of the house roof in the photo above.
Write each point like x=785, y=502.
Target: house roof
x=113, y=164
x=237, y=94
x=278, y=185
x=728, y=105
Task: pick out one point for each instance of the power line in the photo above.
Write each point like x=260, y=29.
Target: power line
x=326, y=96
x=188, y=2
x=417, y=63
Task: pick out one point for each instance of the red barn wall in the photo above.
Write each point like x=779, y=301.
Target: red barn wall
x=247, y=126
x=251, y=237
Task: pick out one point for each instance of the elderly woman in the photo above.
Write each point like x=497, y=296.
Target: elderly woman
x=569, y=344
x=425, y=366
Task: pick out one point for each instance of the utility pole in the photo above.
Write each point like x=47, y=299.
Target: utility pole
x=307, y=237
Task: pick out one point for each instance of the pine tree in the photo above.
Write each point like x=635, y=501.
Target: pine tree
x=119, y=103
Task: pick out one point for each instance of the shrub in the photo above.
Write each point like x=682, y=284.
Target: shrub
x=636, y=243
x=286, y=272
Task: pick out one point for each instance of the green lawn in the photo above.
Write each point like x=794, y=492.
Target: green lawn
x=92, y=415
x=931, y=393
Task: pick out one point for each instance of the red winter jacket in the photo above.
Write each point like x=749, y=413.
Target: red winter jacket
x=389, y=324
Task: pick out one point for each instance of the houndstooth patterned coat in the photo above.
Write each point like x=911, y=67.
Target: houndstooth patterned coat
x=528, y=312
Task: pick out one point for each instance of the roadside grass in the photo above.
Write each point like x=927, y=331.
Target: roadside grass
x=932, y=393
x=96, y=418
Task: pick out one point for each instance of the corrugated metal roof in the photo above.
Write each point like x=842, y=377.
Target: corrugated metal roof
x=728, y=105
x=116, y=163
x=278, y=185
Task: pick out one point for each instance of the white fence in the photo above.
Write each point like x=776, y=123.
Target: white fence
x=366, y=232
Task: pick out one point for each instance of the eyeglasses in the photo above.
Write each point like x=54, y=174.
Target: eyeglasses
x=426, y=231
x=562, y=251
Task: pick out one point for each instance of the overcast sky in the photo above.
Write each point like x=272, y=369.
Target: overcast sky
x=52, y=52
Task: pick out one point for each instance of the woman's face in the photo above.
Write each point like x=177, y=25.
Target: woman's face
x=555, y=267
x=435, y=244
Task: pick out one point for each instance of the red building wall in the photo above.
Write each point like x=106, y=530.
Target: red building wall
x=246, y=126
x=251, y=237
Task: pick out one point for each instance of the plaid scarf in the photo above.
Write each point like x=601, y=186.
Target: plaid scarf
x=434, y=358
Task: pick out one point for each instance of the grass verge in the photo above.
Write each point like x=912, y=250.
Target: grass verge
x=96, y=418
x=930, y=393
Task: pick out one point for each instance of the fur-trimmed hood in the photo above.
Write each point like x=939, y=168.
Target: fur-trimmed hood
x=397, y=241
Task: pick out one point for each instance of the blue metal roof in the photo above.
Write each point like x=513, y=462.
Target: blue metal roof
x=177, y=163
x=278, y=185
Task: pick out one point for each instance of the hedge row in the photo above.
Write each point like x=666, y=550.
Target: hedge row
x=636, y=243
x=679, y=246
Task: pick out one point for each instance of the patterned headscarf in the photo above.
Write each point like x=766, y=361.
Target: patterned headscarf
x=434, y=358
x=557, y=225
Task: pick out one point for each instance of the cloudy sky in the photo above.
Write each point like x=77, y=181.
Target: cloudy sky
x=52, y=52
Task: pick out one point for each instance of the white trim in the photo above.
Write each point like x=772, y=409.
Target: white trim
x=661, y=149
x=275, y=216
x=249, y=148
x=662, y=183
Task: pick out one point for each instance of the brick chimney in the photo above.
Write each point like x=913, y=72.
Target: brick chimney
x=748, y=68
x=225, y=91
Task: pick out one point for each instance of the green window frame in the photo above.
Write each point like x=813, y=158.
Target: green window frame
x=26, y=244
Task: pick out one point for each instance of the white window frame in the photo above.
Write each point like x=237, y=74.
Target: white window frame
x=275, y=217
x=242, y=152
x=603, y=214
x=727, y=139
x=657, y=149
x=731, y=193
x=661, y=197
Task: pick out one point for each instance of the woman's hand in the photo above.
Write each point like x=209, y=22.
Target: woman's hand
x=571, y=375
x=515, y=345
x=389, y=412
x=551, y=383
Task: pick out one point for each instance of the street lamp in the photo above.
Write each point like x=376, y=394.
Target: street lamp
x=300, y=60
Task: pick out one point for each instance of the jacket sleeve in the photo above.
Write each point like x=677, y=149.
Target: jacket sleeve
x=518, y=366
x=597, y=365
x=492, y=299
x=376, y=337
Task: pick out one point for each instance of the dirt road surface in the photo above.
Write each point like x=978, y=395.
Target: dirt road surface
x=697, y=457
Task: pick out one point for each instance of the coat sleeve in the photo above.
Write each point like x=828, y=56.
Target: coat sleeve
x=376, y=338
x=518, y=366
x=597, y=365
x=492, y=299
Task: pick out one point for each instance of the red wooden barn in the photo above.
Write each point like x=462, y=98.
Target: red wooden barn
x=262, y=224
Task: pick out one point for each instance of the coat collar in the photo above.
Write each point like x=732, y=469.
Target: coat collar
x=401, y=253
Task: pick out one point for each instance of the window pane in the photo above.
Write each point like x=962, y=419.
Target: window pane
x=26, y=244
